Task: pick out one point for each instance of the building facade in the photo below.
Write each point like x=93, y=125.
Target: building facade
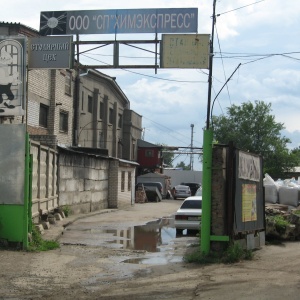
x=85, y=117
x=105, y=118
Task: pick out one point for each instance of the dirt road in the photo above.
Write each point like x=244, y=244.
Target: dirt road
x=86, y=271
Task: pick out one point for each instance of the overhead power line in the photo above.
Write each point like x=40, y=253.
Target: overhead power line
x=226, y=12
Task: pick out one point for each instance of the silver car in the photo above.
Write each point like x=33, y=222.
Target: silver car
x=181, y=191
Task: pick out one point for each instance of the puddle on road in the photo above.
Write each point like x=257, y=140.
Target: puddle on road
x=157, y=260
x=153, y=237
x=150, y=237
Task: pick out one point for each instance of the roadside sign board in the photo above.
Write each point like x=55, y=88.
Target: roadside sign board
x=51, y=52
x=185, y=51
x=160, y=20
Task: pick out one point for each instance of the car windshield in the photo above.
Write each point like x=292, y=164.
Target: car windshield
x=193, y=204
x=199, y=192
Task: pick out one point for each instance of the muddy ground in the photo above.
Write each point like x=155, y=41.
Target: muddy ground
x=83, y=270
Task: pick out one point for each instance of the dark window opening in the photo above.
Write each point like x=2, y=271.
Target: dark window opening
x=90, y=104
x=149, y=153
x=68, y=82
x=101, y=113
x=129, y=181
x=120, y=121
x=111, y=116
x=82, y=101
x=123, y=181
x=44, y=111
x=63, y=121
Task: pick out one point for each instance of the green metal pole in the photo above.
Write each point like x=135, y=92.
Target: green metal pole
x=206, y=191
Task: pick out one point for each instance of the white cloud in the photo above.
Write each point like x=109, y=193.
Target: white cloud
x=169, y=107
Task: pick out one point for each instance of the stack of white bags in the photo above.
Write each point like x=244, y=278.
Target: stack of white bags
x=286, y=192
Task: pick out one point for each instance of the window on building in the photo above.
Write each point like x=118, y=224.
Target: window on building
x=101, y=112
x=68, y=82
x=133, y=151
x=63, y=121
x=111, y=116
x=123, y=181
x=82, y=101
x=129, y=181
x=149, y=153
x=90, y=104
x=44, y=112
x=120, y=121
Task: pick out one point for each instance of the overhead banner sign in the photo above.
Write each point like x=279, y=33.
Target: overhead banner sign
x=185, y=51
x=12, y=75
x=51, y=52
x=161, y=20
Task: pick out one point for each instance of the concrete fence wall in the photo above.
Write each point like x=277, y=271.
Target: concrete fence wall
x=83, y=182
x=44, y=180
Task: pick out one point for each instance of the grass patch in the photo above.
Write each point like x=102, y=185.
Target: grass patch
x=234, y=253
x=66, y=209
x=39, y=244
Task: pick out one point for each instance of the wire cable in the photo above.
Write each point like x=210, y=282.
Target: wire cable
x=150, y=76
x=222, y=63
x=226, y=12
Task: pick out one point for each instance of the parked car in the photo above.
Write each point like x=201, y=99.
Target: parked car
x=188, y=216
x=181, y=191
x=194, y=186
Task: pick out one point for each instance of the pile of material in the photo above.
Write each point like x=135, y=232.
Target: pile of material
x=282, y=209
x=282, y=223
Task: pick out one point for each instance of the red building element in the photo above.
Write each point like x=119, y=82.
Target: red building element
x=149, y=157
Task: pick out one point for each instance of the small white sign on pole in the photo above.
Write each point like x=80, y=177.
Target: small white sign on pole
x=185, y=51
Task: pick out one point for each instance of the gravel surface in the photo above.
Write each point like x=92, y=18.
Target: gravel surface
x=79, y=270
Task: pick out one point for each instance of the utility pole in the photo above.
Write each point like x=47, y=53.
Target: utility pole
x=207, y=154
x=192, y=156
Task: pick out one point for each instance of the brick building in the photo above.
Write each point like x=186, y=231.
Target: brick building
x=86, y=119
x=89, y=110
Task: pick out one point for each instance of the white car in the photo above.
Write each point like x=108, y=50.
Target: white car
x=188, y=216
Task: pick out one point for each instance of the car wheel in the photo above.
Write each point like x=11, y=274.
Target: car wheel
x=179, y=231
x=175, y=198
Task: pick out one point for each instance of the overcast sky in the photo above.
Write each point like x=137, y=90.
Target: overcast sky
x=261, y=35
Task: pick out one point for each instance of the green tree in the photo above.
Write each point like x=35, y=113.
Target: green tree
x=251, y=127
x=167, y=155
x=183, y=166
